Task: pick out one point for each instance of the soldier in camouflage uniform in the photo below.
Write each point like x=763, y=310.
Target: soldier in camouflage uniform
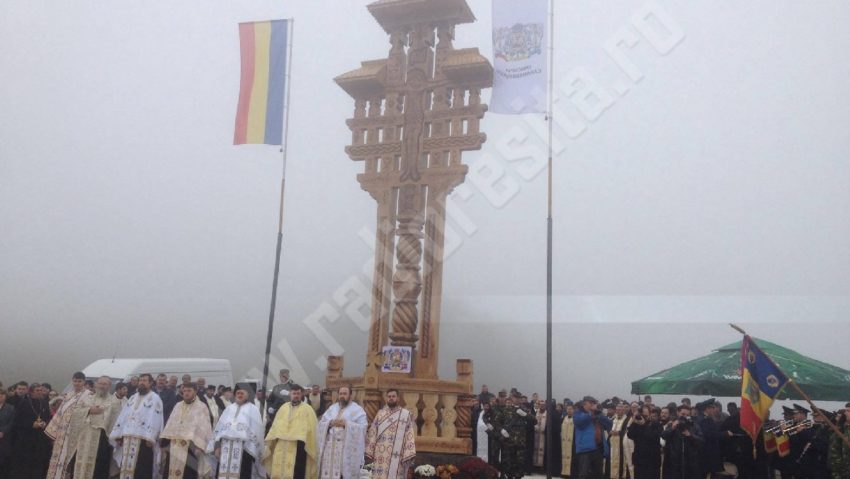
x=839, y=452
x=510, y=424
x=279, y=396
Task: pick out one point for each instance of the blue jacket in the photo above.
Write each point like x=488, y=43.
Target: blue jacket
x=585, y=432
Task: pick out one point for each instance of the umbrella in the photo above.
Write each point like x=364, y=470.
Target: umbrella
x=719, y=374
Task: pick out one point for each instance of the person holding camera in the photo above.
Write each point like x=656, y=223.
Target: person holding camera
x=590, y=445
x=682, y=440
x=645, y=430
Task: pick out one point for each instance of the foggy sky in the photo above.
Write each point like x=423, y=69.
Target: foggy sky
x=715, y=190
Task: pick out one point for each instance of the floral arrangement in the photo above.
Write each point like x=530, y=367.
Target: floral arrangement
x=446, y=471
x=425, y=470
x=469, y=468
x=476, y=468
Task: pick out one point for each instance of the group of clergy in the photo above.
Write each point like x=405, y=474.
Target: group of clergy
x=96, y=435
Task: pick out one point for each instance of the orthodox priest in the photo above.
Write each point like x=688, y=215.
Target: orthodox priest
x=567, y=442
x=30, y=446
x=539, y=455
x=238, y=438
x=186, y=435
x=620, y=462
x=390, y=443
x=94, y=454
x=291, y=441
x=64, y=429
x=342, y=438
x=483, y=429
x=136, y=433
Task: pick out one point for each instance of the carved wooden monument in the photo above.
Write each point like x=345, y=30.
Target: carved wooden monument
x=415, y=113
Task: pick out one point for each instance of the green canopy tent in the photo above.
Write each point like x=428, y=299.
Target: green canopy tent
x=719, y=374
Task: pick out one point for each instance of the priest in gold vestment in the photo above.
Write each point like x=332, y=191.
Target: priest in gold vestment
x=185, y=437
x=567, y=437
x=291, y=441
x=94, y=454
x=64, y=429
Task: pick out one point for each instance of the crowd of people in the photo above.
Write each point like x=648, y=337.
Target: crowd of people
x=617, y=439
x=151, y=428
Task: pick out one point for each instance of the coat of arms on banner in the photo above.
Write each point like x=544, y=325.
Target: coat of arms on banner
x=519, y=42
x=397, y=359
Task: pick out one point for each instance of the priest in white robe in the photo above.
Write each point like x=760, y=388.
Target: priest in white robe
x=94, y=454
x=136, y=433
x=341, y=438
x=483, y=428
x=390, y=442
x=539, y=456
x=238, y=439
x=186, y=436
x=64, y=429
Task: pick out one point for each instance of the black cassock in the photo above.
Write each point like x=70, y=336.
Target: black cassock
x=31, y=448
x=554, y=425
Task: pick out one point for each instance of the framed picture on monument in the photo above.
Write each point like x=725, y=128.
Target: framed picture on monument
x=397, y=359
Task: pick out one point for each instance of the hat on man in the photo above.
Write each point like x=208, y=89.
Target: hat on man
x=248, y=387
x=800, y=409
x=702, y=406
x=284, y=371
x=590, y=399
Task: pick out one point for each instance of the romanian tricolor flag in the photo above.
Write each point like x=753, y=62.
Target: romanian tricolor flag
x=769, y=443
x=761, y=382
x=259, y=116
x=783, y=445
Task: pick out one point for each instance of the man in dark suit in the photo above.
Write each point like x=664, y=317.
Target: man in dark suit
x=7, y=420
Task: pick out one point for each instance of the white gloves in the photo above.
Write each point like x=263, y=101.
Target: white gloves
x=521, y=412
x=505, y=434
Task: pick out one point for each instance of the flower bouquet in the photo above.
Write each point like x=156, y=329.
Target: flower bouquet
x=446, y=471
x=425, y=471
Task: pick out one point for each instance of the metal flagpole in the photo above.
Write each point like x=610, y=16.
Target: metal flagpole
x=550, y=406
x=283, y=150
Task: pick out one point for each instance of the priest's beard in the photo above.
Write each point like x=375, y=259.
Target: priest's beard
x=143, y=391
x=343, y=402
x=296, y=403
x=392, y=405
x=102, y=394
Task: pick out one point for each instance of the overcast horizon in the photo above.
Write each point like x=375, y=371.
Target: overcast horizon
x=715, y=188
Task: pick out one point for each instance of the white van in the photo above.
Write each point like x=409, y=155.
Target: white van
x=215, y=371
